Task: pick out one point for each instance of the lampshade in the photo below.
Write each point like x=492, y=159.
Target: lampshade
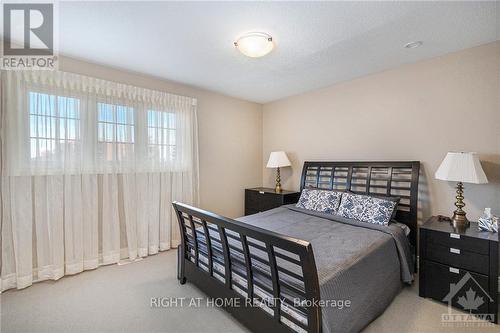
x=461, y=167
x=278, y=159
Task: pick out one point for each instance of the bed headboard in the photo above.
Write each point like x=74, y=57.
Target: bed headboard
x=398, y=179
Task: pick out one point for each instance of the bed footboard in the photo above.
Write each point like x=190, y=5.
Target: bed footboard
x=266, y=280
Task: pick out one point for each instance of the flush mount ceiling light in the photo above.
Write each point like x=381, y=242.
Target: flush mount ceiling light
x=414, y=45
x=254, y=44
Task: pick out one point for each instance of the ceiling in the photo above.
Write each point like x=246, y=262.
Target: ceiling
x=317, y=43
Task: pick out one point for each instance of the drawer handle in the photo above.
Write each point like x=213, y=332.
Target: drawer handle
x=454, y=270
x=261, y=192
x=453, y=250
x=456, y=236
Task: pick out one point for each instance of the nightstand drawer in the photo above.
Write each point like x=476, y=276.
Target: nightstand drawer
x=458, y=257
x=459, y=241
x=270, y=201
x=252, y=200
x=260, y=199
x=439, y=278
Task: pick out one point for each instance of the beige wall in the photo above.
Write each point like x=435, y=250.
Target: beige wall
x=230, y=137
x=415, y=112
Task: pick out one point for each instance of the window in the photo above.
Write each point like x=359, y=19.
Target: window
x=115, y=131
x=161, y=135
x=55, y=129
x=62, y=123
x=54, y=125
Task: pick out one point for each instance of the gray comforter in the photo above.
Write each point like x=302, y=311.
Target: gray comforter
x=364, y=263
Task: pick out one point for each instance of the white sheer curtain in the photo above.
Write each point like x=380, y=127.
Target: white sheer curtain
x=89, y=171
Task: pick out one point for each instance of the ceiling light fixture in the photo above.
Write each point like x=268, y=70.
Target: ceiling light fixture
x=414, y=45
x=254, y=44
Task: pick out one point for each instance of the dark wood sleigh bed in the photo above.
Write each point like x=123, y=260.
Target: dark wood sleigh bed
x=210, y=241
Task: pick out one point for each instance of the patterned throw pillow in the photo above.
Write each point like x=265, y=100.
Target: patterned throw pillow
x=320, y=200
x=384, y=197
x=366, y=208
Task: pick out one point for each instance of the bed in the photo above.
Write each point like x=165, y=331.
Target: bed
x=296, y=270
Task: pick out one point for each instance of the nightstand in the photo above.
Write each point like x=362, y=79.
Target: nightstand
x=468, y=260
x=260, y=199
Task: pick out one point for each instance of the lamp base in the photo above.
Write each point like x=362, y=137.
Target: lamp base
x=277, y=188
x=459, y=221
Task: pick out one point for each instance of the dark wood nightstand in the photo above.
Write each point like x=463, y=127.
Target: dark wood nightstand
x=467, y=259
x=260, y=199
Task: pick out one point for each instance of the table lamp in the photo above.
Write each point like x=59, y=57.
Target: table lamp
x=278, y=159
x=461, y=167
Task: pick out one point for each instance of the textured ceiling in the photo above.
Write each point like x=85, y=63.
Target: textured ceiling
x=317, y=43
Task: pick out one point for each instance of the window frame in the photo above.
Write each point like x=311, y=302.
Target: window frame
x=37, y=160
x=87, y=133
x=134, y=143
x=160, y=145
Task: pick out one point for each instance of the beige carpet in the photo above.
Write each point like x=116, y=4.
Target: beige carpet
x=117, y=298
